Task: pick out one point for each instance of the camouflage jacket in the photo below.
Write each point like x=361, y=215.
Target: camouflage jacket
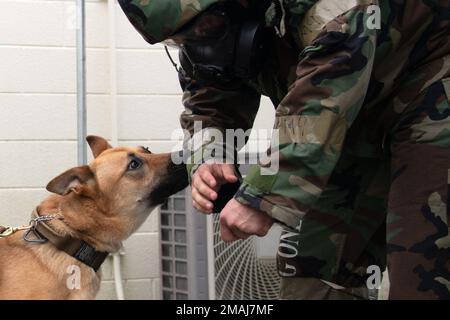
x=332, y=89
x=332, y=93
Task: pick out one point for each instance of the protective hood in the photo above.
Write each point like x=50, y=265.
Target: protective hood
x=283, y=14
x=156, y=20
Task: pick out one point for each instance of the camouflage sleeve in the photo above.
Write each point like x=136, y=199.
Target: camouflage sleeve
x=312, y=120
x=216, y=110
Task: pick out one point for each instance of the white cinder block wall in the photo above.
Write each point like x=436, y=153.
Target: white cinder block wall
x=38, y=112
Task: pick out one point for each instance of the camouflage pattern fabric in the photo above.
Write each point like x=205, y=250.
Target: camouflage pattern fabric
x=315, y=289
x=418, y=238
x=350, y=144
x=157, y=20
x=364, y=122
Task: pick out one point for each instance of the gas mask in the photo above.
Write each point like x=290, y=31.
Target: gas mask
x=222, y=46
x=220, y=42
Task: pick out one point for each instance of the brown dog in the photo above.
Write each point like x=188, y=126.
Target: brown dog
x=95, y=208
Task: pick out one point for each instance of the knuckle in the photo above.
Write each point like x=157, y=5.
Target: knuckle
x=195, y=175
x=194, y=193
x=207, y=167
x=263, y=231
x=223, y=219
x=203, y=170
x=232, y=223
x=202, y=188
x=206, y=175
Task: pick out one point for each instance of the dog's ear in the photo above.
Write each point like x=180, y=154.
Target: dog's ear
x=98, y=145
x=74, y=180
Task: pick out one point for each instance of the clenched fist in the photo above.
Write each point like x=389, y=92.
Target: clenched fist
x=207, y=181
x=238, y=221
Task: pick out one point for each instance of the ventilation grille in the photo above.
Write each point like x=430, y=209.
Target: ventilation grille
x=240, y=273
x=244, y=270
x=174, y=248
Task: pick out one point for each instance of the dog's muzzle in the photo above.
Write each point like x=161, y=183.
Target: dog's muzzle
x=175, y=180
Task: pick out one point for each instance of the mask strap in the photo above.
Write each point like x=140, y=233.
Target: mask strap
x=175, y=65
x=277, y=8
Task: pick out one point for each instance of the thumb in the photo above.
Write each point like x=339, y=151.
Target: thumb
x=229, y=174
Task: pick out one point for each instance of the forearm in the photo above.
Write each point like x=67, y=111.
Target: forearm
x=209, y=113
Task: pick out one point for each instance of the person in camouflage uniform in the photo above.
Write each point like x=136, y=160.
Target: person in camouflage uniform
x=363, y=115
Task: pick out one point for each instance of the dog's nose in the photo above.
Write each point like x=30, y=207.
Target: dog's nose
x=177, y=169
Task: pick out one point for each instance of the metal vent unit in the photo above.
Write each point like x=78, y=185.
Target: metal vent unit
x=246, y=269
x=197, y=264
x=174, y=249
x=183, y=250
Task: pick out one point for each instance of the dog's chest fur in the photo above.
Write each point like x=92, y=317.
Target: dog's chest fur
x=41, y=271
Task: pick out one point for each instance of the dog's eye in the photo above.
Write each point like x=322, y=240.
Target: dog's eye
x=134, y=164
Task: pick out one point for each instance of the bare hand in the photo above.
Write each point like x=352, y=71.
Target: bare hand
x=238, y=221
x=207, y=181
